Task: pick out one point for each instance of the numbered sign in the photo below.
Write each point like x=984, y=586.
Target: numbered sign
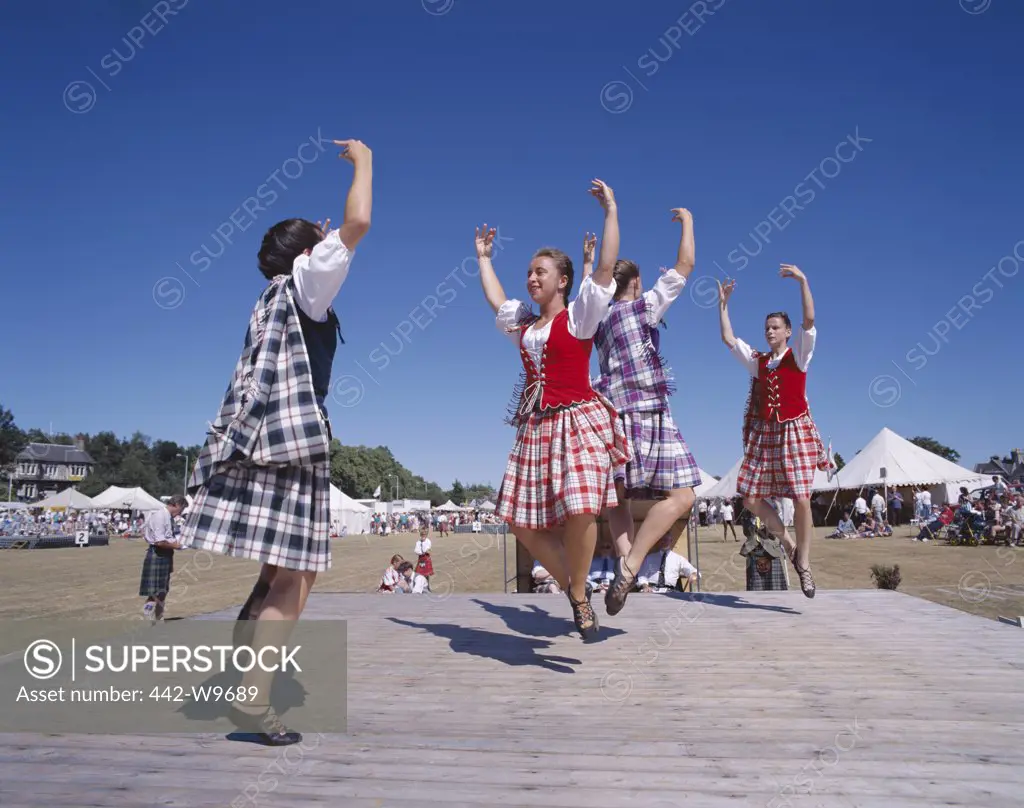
x=81, y=538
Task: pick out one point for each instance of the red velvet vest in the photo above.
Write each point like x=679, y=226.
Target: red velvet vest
x=783, y=389
x=563, y=378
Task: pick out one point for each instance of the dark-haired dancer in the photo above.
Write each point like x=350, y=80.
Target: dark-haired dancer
x=262, y=481
x=637, y=381
x=569, y=438
x=781, y=444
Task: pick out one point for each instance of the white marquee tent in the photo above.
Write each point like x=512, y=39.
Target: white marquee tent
x=726, y=487
x=68, y=498
x=449, y=506
x=134, y=499
x=907, y=464
x=346, y=512
x=707, y=482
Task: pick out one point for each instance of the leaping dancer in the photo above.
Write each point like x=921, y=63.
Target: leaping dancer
x=569, y=439
x=637, y=380
x=781, y=444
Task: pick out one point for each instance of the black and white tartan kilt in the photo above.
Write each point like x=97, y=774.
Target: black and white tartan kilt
x=156, y=573
x=774, y=581
x=279, y=516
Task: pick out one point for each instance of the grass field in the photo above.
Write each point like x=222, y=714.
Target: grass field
x=102, y=582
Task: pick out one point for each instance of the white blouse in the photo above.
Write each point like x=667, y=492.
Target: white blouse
x=664, y=292
x=319, y=276
x=802, y=348
x=585, y=315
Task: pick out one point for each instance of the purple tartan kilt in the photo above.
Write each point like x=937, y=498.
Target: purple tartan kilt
x=659, y=460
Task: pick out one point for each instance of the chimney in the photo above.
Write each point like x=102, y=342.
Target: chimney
x=80, y=442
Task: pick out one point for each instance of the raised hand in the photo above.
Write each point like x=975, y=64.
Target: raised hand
x=589, y=248
x=355, y=151
x=790, y=271
x=325, y=226
x=603, y=193
x=725, y=292
x=681, y=215
x=485, y=241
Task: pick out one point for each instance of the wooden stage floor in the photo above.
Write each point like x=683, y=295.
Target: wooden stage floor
x=856, y=698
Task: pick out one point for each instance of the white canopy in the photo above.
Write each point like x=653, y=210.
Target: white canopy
x=726, y=487
x=68, y=498
x=448, y=506
x=346, y=512
x=132, y=499
x=487, y=505
x=905, y=463
x=707, y=482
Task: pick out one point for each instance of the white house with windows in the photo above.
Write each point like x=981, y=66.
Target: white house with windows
x=42, y=469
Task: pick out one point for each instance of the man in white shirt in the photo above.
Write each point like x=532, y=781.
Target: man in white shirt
x=727, y=521
x=878, y=507
x=664, y=570
x=860, y=510
x=159, y=564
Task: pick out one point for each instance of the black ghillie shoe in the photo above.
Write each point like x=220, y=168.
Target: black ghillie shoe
x=806, y=580
x=615, y=597
x=266, y=726
x=585, y=617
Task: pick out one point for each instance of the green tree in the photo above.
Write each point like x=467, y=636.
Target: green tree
x=457, y=493
x=12, y=440
x=839, y=461
x=935, y=447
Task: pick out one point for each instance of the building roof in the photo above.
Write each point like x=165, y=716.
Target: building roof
x=54, y=453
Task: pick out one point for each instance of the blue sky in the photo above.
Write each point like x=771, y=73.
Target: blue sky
x=503, y=112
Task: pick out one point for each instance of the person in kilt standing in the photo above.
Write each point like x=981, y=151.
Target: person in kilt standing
x=261, y=484
x=569, y=438
x=781, y=444
x=636, y=379
x=158, y=532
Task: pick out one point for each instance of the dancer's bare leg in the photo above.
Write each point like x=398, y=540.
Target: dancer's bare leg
x=620, y=522
x=763, y=510
x=546, y=547
x=803, y=521
x=677, y=504
x=658, y=522
x=260, y=590
x=580, y=537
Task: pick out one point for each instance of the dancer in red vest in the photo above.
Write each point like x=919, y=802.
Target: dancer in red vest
x=569, y=438
x=781, y=444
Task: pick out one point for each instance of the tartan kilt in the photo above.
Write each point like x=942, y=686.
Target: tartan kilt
x=562, y=465
x=780, y=458
x=279, y=516
x=659, y=458
x=156, y=573
x=774, y=581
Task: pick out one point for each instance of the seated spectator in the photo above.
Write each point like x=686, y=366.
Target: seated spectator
x=411, y=582
x=845, y=530
x=869, y=528
x=939, y=521
x=666, y=570
x=544, y=582
x=1015, y=522
x=389, y=580
x=765, y=563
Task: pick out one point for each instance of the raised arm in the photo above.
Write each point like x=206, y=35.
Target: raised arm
x=806, y=300
x=360, y=194
x=488, y=278
x=610, y=237
x=589, y=247
x=687, y=251
x=723, y=313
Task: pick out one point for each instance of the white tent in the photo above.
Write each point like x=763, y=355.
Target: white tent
x=132, y=499
x=448, y=506
x=726, y=487
x=907, y=464
x=707, y=482
x=488, y=506
x=347, y=513
x=68, y=498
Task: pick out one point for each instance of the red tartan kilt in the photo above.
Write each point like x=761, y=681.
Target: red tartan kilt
x=424, y=566
x=780, y=459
